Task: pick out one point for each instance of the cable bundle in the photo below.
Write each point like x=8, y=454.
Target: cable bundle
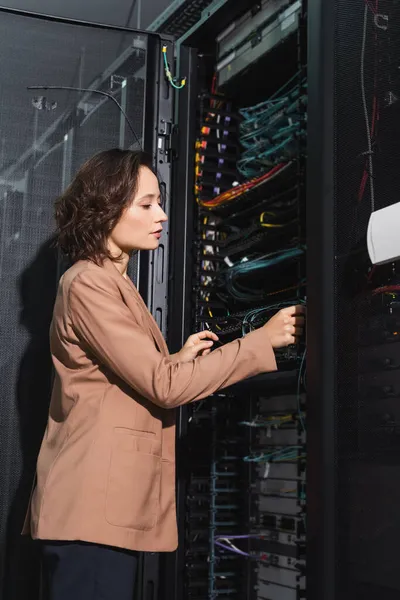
x=226, y=544
x=285, y=454
x=270, y=130
x=252, y=316
x=234, y=273
x=240, y=190
x=271, y=421
x=249, y=264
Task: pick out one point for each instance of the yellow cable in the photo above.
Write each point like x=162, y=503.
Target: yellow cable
x=275, y=225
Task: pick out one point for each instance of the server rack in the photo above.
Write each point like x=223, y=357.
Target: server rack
x=352, y=358
x=194, y=572
x=352, y=449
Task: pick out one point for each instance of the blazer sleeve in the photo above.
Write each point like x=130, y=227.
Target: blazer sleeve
x=102, y=320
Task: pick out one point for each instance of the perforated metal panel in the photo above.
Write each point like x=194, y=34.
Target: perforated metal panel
x=368, y=445
x=179, y=16
x=44, y=137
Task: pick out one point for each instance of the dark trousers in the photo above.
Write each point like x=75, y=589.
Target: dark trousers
x=81, y=571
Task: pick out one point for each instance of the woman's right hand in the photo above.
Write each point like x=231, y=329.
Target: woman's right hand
x=286, y=326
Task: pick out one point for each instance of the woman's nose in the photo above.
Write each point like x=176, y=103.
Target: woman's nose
x=163, y=217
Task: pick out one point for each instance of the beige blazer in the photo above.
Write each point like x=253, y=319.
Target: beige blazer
x=106, y=468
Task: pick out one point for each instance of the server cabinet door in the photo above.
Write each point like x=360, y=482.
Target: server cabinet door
x=67, y=91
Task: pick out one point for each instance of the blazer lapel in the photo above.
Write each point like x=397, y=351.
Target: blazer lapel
x=154, y=328
x=151, y=323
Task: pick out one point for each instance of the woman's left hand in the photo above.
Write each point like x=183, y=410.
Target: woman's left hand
x=198, y=344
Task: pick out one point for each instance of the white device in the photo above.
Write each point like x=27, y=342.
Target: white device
x=383, y=235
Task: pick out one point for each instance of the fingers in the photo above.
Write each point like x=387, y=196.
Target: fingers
x=295, y=321
x=293, y=317
x=298, y=321
x=202, y=346
x=293, y=330
x=297, y=310
x=202, y=335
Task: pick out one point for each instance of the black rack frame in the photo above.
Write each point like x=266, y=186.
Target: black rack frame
x=321, y=372
x=180, y=292
x=321, y=327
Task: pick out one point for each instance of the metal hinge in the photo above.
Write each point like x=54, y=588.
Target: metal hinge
x=168, y=141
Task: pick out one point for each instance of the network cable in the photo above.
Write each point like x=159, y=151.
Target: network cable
x=270, y=131
x=368, y=174
x=226, y=543
x=234, y=273
x=277, y=96
x=172, y=80
x=251, y=316
x=282, y=455
x=244, y=188
x=272, y=421
x=91, y=91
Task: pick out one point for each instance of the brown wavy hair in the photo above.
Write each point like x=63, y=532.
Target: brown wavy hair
x=91, y=206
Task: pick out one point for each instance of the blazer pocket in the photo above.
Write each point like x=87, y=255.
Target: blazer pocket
x=134, y=479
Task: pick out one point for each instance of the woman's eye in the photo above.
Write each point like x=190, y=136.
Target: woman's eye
x=146, y=205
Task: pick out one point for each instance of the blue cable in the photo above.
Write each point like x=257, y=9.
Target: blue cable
x=289, y=453
x=264, y=262
x=168, y=73
x=271, y=129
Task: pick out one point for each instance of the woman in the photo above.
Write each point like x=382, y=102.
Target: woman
x=106, y=468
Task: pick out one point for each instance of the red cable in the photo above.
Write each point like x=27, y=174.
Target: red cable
x=372, y=9
x=371, y=273
x=386, y=289
x=241, y=189
x=214, y=83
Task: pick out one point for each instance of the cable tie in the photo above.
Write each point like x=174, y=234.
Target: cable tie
x=381, y=21
x=228, y=261
x=266, y=470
